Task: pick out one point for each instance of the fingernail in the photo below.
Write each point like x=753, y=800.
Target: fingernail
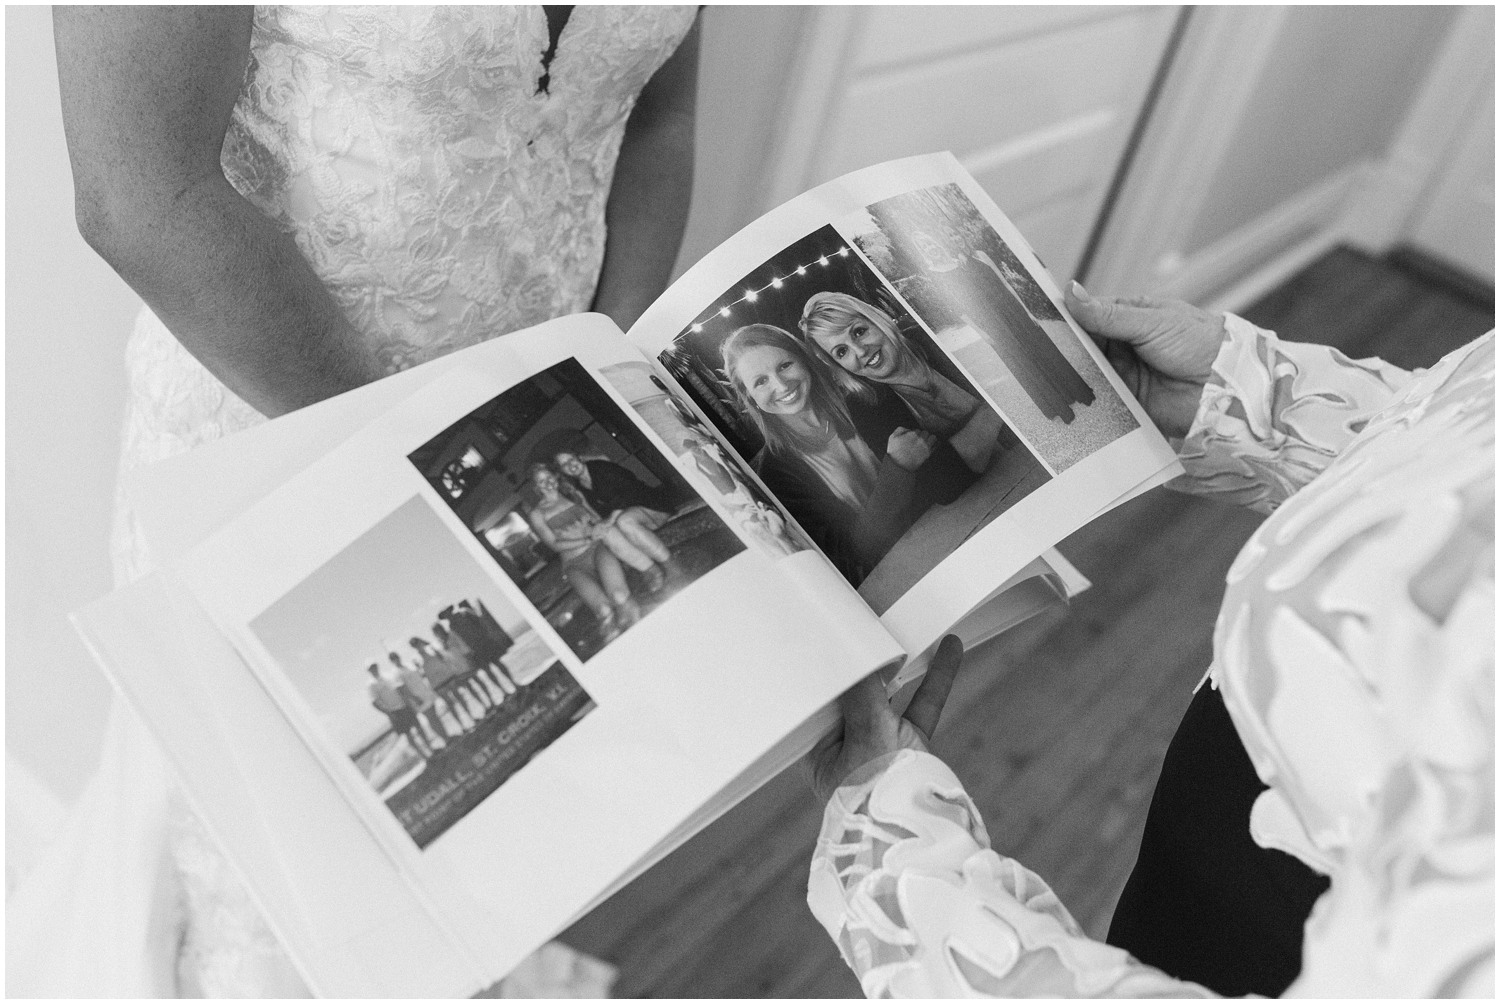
x=1077, y=289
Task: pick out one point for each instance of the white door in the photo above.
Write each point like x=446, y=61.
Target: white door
x=1037, y=102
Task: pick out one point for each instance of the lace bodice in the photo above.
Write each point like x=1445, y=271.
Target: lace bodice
x=1356, y=654
x=439, y=195
x=442, y=198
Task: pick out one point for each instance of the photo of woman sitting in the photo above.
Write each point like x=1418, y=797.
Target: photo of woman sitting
x=593, y=549
x=878, y=369
x=855, y=488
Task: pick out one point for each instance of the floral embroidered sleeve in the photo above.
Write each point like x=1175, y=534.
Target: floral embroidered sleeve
x=1362, y=687
x=905, y=882
x=1276, y=413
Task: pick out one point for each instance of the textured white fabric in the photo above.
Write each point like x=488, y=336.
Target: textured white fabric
x=33, y=818
x=443, y=200
x=905, y=882
x=1355, y=651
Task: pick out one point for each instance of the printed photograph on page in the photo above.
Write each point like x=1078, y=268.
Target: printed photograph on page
x=576, y=506
x=708, y=467
x=967, y=287
x=417, y=667
x=879, y=446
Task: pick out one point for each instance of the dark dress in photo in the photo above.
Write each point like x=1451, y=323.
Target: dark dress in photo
x=976, y=289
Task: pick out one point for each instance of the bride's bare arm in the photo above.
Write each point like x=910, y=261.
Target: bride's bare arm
x=653, y=184
x=147, y=94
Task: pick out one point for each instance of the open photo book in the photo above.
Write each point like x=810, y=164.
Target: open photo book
x=446, y=660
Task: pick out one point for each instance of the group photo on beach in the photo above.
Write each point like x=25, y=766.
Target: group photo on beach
x=440, y=684
x=577, y=507
x=432, y=683
x=874, y=440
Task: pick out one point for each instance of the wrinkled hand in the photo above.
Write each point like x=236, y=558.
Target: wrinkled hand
x=1163, y=350
x=872, y=729
x=910, y=448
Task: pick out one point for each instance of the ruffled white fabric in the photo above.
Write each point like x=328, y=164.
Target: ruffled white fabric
x=1355, y=651
x=905, y=882
x=443, y=200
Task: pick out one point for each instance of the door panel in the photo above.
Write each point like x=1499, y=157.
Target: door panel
x=901, y=34
x=1058, y=230
x=1038, y=102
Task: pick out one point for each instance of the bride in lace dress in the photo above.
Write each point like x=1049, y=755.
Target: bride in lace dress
x=308, y=199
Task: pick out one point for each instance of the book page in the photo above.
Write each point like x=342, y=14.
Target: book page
x=353, y=925
x=890, y=360
x=518, y=694
x=179, y=501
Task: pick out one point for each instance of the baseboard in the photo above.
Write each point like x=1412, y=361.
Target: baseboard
x=1235, y=269
x=1440, y=272
x=1272, y=274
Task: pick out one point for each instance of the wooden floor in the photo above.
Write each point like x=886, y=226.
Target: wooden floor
x=1057, y=728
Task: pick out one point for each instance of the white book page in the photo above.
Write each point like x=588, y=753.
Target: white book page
x=353, y=926
x=513, y=819
x=961, y=333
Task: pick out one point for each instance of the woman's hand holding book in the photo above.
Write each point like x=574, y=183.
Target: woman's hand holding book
x=1163, y=349
x=872, y=729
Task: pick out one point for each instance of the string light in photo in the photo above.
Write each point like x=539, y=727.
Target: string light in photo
x=751, y=295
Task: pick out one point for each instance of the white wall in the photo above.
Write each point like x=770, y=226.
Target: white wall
x=1037, y=102
x=1280, y=132
x=742, y=96
x=66, y=319
x=1456, y=220
x=1436, y=187
x=1333, y=93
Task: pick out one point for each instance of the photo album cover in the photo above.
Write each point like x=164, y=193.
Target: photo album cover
x=521, y=620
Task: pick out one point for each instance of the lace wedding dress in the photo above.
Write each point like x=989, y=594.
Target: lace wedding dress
x=447, y=185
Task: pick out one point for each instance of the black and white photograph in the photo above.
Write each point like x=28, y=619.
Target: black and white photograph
x=872, y=438
x=975, y=295
x=575, y=505
x=417, y=667
x=1069, y=331
x=715, y=474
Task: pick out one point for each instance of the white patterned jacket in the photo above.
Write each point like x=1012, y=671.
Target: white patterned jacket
x=1355, y=652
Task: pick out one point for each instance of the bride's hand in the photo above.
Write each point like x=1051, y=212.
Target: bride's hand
x=1163, y=350
x=871, y=729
